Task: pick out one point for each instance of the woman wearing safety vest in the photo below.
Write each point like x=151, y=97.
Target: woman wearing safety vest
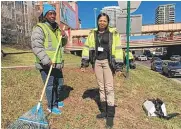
x=44, y=40
x=103, y=50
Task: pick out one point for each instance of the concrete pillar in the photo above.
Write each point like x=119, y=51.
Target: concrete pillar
x=78, y=40
x=70, y=40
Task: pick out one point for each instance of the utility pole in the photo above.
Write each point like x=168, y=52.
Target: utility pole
x=127, y=8
x=128, y=38
x=95, y=9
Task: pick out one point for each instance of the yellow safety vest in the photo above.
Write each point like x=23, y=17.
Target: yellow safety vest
x=130, y=55
x=51, y=41
x=117, y=51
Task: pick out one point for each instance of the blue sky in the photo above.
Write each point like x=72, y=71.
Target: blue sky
x=147, y=9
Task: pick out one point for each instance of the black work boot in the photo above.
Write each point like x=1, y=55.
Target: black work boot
x=103, y=109
x=110, y=116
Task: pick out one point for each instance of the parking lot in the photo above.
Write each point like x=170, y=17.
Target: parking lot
x=148, y=64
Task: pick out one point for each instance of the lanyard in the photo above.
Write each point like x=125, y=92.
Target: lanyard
x=100, y=38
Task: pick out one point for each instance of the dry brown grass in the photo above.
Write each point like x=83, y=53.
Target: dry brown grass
x=21, y=89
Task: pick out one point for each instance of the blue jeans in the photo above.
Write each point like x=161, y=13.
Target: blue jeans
x=54, y=86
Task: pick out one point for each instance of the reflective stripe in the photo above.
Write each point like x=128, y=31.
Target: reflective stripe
x=118, y=60
x=85, y=57
x=118, y=47
x=50, y=49
x=51, y=43
x=91, y=48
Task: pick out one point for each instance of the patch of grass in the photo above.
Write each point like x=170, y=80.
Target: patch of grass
x=27, y=59
x=18, y=60
x=21, y=90
x=11, y=49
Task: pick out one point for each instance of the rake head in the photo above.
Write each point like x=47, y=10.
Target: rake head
x=33, y=119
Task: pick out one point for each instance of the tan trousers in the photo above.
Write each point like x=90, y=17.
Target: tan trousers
x=104, y=78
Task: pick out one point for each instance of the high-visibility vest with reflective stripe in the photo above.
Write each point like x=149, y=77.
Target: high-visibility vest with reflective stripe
x=130, y=55
x=51, y=41
x=117, y=51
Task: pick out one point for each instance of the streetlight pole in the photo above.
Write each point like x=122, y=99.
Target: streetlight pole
x=95, y=9
x=128, y=38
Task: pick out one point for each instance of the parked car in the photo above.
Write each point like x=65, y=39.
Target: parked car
x=142, y=57
x=156, y=66
x=171, y=68
x=158, y=53
x=175, y=57
x=150, y=57
x=155, y=58
x=148, y=54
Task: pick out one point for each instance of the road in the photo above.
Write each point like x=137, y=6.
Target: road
x=147, y=63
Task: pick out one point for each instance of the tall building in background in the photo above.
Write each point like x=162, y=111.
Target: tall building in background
x=29, y=16
x=17, y=18
x=165, y=14
x=113, y=12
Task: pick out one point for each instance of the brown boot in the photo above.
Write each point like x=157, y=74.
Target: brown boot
x=103, y=109
x=110, y=117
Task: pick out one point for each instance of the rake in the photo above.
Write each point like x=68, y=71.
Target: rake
x=35, y=117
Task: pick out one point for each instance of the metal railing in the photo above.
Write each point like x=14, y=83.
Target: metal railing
x=135, y=43
x=174, y=38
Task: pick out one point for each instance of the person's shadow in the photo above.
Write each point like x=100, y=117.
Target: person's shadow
x=65, y=92
x=93, y=94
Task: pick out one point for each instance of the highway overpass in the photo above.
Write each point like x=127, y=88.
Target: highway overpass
x=137, y=44
x=146, y=29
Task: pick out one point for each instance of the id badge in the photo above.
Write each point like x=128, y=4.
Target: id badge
x=100, y=49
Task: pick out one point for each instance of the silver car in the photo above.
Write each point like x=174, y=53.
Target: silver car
x=175, y=58
x=171, y=68
x=142, y=57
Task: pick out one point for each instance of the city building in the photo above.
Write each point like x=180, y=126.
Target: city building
x=165, y=14
x=30, y=16
x=113, y=12
x=16, y=20
x=19, y=17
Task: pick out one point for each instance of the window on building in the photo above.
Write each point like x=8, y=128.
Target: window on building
x=33, y=4
x=4, y=3
x=13, y=14
x=26, y=9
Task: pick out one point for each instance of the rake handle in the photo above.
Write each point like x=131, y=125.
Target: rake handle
x=50, y=70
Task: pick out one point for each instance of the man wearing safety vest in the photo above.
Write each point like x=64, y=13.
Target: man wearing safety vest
x=44, y=40
x=131, y=60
